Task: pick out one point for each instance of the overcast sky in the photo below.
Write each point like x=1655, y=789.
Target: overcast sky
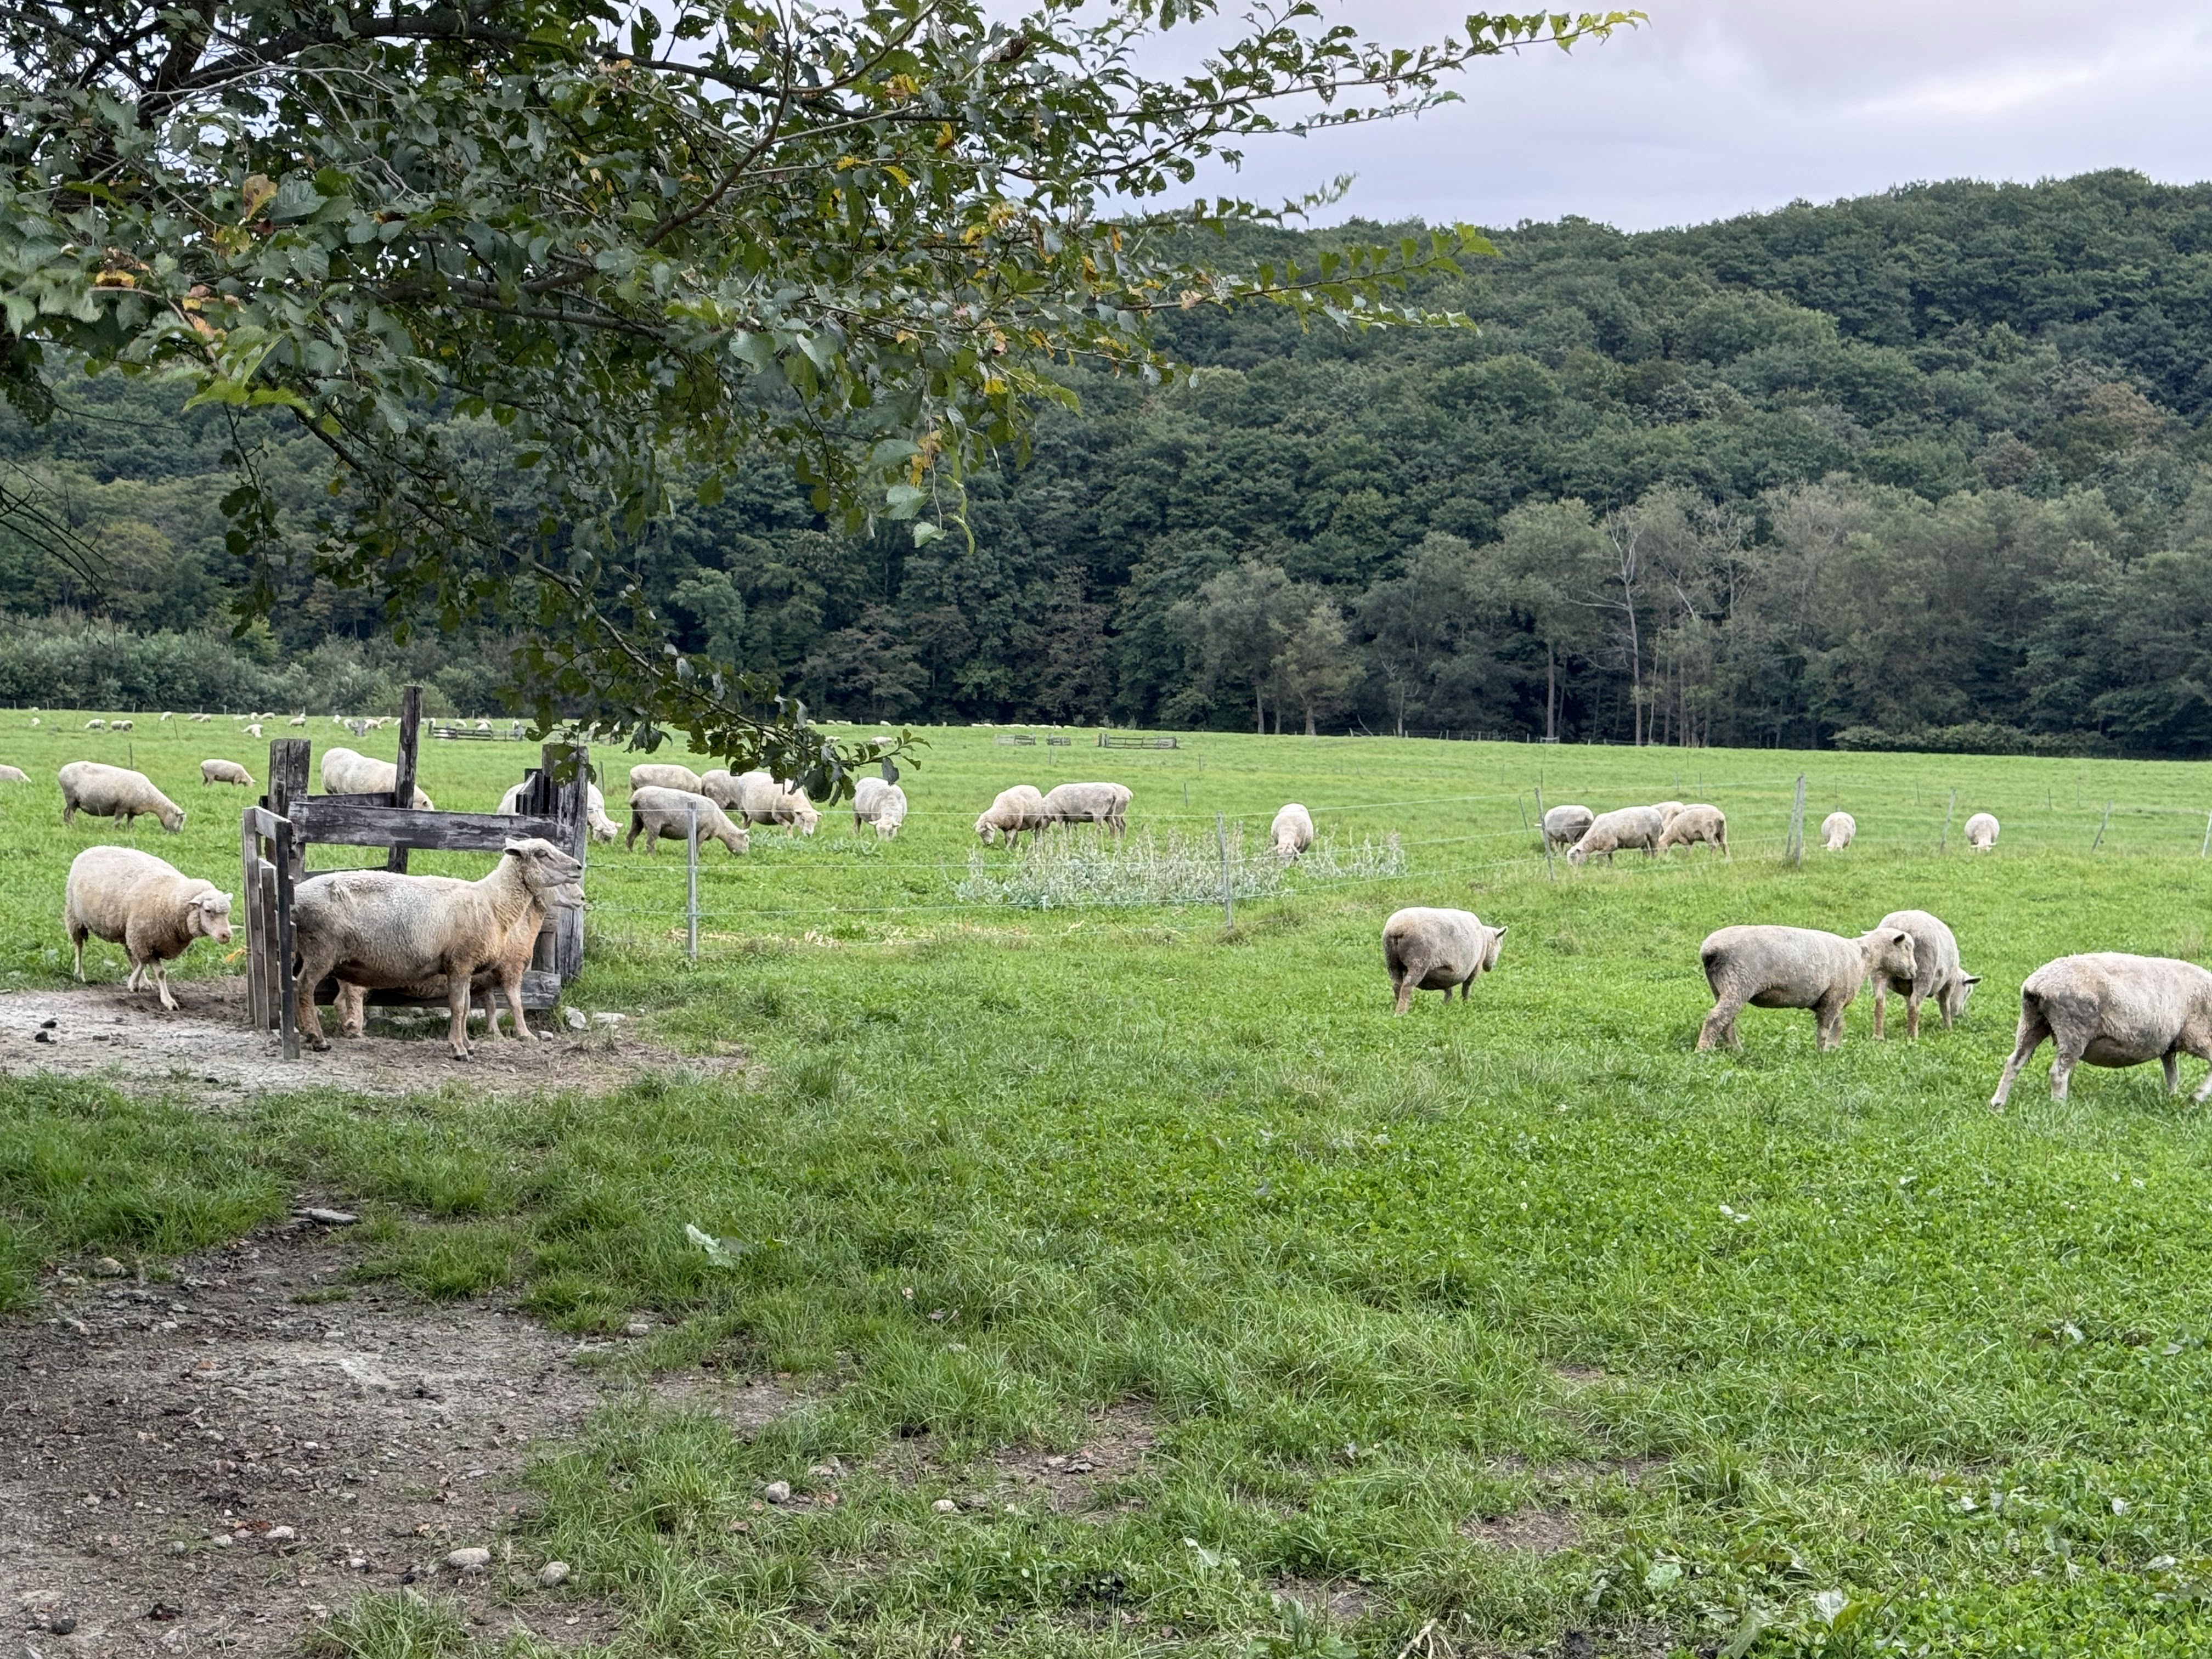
x=1725, y=107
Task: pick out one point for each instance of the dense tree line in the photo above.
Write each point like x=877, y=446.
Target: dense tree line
x=1927, y=468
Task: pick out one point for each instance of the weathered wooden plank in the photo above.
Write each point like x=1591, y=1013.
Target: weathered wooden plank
x=271, y=980
x=287, y=783
x=410, y=742
x=249, y=896
x=337, y=822
x=571, y=812
x=287, y=850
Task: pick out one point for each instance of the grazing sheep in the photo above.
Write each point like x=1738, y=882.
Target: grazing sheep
x=662, y=815
x=1981, y=832
x=1795, y=968
x=1103, y=804
x=224, y=771
x=1015, y=810
x=35, y=720
x=346, y=772
x=13, y=774
x=1291, y=832
x=378, y=929
x=202, y=719
x=96, y=725
x=113, y=792
x=1667, y=809
x=602, y=827
x=119, y=726
x=299, y=719
x=656, y=775
x=1617, y=831
x=880, y=802
x=764, y=801
x=1565, y=825
x=169, y=717
x=253, y=730
x=1936, y=972
x=2114, y=1010
x=725, y=791
x=1427, y=950
x=1693, y=825
x=1838, y=831
x=152, y=909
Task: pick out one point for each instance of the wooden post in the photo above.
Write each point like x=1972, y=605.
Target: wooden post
x=2107, y=818
x=1523, y=805
x=568, y=769
x=287, y=784
x=410, y=741
x=286, y=852
x=249, y=895
x=1551, y=871
x=268, y=973
x=1794, y=852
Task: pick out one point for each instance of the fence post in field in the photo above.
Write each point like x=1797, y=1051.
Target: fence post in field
x=1523, y=805
x=691, y=882
x=1228, y=889
x=2207, y=848
x=2106, y=819
x=1943, y=845
x=1551, y=871
x=1794, y=852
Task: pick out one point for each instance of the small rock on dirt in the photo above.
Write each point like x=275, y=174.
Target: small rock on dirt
x=328, y=1218
x=777, y=1491
x=552, y=1573
x=108, y=1267
x=474, y=1559
x=945, y=1506
x=574, y=1018
x=281, y=1534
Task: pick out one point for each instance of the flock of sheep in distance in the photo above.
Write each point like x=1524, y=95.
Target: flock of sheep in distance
x=427, y=935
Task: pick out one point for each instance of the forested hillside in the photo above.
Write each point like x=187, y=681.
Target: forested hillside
x=1922, y=470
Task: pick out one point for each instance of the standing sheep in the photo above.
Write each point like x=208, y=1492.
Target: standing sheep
x=602, y=827
x=1617, y=831
x=96, y=725
x=152, y=909
x=1565, y=825
x=1981, y=832
x=1936, y=973
x=119, y=726
x=1693, y=825
x=659, y=776
x=13, y=774
x=1838, y=831
x=379, y=930
x=665, y=814
x=351, y=1003
x=113, y=792
x=1015, y=810
x=1795, y=968
x=346, y=772
x=2113, y=1010
x=224, y=771
x=1291, y=832
x=1427, y=950
x=1103, y=804
x=878, y=802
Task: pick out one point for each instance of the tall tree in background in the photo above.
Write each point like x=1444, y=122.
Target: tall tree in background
x=653, y=243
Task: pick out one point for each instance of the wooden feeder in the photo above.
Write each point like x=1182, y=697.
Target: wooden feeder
x=275, y=835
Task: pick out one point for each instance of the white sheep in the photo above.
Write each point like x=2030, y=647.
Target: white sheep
x=664, y=815
x=1937, y=972
x=351, y=1004
x=1291, y=833
x=2113, y=1010
x=659, y=776
x=152, y=909
x=602, y=827
x=119, y=726
x=1565, y=825
x=13, y=774
x=346, y=773
x=1106, y=805
x=202, y=719
x=880, y=802
x=725, y=791
x=1982, y=833
x=299, y=719
x=1772, y=967
x=96, y=725
x=1427, y=950
x=253, y=730
x=1617, y=831
x=1014, y=811
x=1667, y=809
x=764, y=799
x=114, y=792
x=224, y=771
x=1838, y=831
x=1689, y=825
x=169, y=716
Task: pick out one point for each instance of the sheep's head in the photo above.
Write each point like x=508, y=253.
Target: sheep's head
x=210, y=917
x=987, y=830
x=1490, y=950
x=1890, y=950
x=172, y=820
x=546, y=868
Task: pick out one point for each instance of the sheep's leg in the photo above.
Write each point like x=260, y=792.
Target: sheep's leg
x=1880, y=1003
x=2170, y=1063
x=1403, y=980
x=1828, y=1024
x=2063, y=1061
x=458, y=995
x=161, y=972
x=76, y=939
x=305, y=1019
x=2201, y=1047
x=1720, y=1023
x=2034, y=1028
x=1912, y=1002
x=510, y=985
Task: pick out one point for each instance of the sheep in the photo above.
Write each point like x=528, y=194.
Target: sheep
x=663, y=814
x=2114, y=1010
x=1291, y=832
x=658, y=776
x=1936, y=973
x=602, y=827
x=96, y=725
x=1667, y=809
x=112, y=791
x=1013, y=810
x=202, y=719
x=35, y=720
x=253, y=730
x=1564, y=825
x=1103, y=804
x=1616, y=831
x=169, y=716
x=13, y=774
x=119, y=726
x=351, y=1003
x=1981, y=832
x=1838, y=831
x=299, y=719
x=224, y=771
x=764, y=801
x=346, y=772
x=152, y=909
x=1693, y=825
x=725, y=791
x=1427, y=950
x=1772, y=967
x=879, y=802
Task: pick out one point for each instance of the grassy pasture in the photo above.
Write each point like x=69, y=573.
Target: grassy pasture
x=1805, y=1352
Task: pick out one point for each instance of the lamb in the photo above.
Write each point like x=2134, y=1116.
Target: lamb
x=881, y=803
x=655, y=776
x=346, y=772
x=1795, y=968
x=113, y=792
x=1015, y=810
x=152, y=909
x=1693, y=825
x=13, y=774
x=1617, y=831
x=1981, y=832
x=1427, y=950
x=603, y=828
x=1565, y=825
x=1291, y=832
x=2114, y=1010
x=1838, y=831
x=224, y=771
x=1103, y=804
x=378, y=929
x=665, y=814
x=1936, y=972
x=765, y=801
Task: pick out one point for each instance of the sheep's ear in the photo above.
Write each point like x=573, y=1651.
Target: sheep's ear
x=1974, y=979
x=1499, y=932
x=516, y=847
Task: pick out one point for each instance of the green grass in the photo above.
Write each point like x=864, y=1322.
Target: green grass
x=1778, y=1329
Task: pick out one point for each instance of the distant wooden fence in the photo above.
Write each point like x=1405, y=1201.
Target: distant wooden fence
x=1125, y=740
